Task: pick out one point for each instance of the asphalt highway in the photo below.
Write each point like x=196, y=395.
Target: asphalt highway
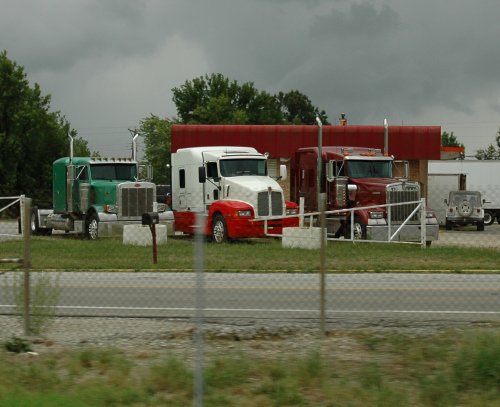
x=261, y=296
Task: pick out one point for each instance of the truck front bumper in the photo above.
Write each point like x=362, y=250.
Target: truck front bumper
x=249, y=228
x=409, y=233
x=109, y=225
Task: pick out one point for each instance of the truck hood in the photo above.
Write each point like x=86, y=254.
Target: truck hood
x=249, y=188
x=373, y=183
x=250, y=183
x=105, y=191
x=373, y=190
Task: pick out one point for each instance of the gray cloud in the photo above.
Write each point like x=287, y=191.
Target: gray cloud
x=109, y=63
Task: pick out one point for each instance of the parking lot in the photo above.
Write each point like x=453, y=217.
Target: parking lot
x=468, y=236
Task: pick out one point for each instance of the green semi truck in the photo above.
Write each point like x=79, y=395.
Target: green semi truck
x=95, y=197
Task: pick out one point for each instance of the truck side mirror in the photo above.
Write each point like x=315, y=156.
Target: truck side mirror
x=445, y=201
x=202, y=175
x=145, y=172
x=150, y=218
x=283, y=172
x=405, y=167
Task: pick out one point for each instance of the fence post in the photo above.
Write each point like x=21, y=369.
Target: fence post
x=199, y=265
x=26, y=217
x=423, y=221
x=322, y=267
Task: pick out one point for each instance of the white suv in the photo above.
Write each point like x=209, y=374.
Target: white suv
x=464, y=208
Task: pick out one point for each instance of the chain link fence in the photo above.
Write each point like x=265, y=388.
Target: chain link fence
x=137, y=306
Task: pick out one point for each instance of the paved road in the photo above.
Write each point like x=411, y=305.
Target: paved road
x=291, y=296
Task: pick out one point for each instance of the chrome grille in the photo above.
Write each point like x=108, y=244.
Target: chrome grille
x=400, y=212
x=276, y=203
x=134, y=201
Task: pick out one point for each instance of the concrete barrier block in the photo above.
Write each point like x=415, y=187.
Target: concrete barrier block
x=138, y=235
x=304, y=238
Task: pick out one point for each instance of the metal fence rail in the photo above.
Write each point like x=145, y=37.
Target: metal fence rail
x=12, y=229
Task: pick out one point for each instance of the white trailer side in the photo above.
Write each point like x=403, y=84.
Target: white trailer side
x=439, y=186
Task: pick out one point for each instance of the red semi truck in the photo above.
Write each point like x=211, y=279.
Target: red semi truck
x=353, y=177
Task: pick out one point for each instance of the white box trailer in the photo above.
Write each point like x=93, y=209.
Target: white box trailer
x=473, y=175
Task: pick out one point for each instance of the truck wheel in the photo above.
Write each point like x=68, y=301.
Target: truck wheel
x=359, y=230
x=480, y=226
x=92, y=225
x=219, y=229
x=35, y=229
x=489, y=218
x=448, y=225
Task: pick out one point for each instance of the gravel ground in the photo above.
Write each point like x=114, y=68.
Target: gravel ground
x=159, y=337
x=150, y=339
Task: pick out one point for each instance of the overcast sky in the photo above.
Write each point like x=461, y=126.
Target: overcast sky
x=110, y=63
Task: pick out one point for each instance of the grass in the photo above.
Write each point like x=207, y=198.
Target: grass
x=71, y=253
x=443, y=368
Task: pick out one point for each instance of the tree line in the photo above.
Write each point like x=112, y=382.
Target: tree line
x=215, y=99
x=31, y=135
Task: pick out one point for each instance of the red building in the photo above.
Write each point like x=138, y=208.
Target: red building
x=417, y=144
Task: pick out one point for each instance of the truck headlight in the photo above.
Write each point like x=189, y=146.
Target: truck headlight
x=110, y=208
x=376, y=215
x=291, y=211
x=244, y=214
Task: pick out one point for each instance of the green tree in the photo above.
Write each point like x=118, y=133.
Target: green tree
x=449, y=140
x=156, y=133
x=81, y=146
x=215, y=99
x=31, y=136
x=491, y=152
x=297, y=108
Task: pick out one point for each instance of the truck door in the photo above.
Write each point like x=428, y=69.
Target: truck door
x=182, y=196
x=307, y=180
x=212, y=186
x=336, y=185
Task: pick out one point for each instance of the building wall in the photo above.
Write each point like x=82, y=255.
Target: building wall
x=404, y=142
x=417, y=144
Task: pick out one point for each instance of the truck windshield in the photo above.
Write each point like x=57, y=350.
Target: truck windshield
x=369, y=169
x=109, y=172
x=242, y=166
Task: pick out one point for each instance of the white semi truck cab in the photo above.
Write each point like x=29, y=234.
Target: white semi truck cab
x=231, y=187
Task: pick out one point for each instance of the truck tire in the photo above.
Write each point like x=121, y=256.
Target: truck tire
x=92, y=227
x=448, y=225
x=359, y=229
x=219, y=229
x=34, y=226
x=489, y=218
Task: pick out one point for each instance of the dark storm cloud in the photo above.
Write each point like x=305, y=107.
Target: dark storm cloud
x=112, y=62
